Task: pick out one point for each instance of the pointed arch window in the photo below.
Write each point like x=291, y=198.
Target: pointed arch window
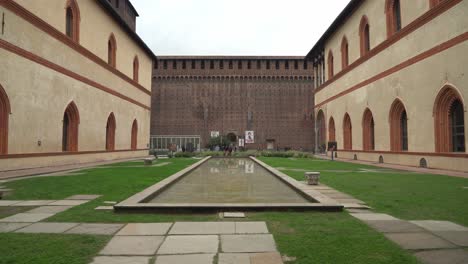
x=398, y=127
x=112, y=51
x=368, y=136
x=331, y=130
x=136, y=68
x=347, y=133
x=134, y=135
x=449, y=121
x=321, y=129
x=364, y=36
x=110, y=133
x=4, y=116
x=344, y=53
x=393, y=14
x=330, y=64
x=72, y=20
x=71, y=120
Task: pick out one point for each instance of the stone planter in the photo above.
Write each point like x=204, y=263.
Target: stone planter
x=312, y=178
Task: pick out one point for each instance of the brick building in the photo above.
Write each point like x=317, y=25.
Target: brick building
x=272, y=96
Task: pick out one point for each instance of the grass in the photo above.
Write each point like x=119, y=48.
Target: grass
x=48, y=249
x=407, y=195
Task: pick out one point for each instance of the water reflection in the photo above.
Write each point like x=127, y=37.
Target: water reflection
x=229, y=180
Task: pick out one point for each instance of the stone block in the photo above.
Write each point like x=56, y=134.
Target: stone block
x=145, y=229
x=418, y=241
x=233, y=215
x=50, y=228
x=444, y=256
x=120, y=260
x=95, y=229
x=439, y=225
x=35, y=203
x=86, y=197
x=251, y=228
x=182, y=259
x=189, y=245
x=234, y=258
x=49, y=209
x=373, y=216
x=202, y=228
x=266, y=258
x=8, y=202
x=459, y=238
x=25, y=218
x=104, y=208
x=394, y=226
x=247, y=243
x=68, y=202
x=132, y=246
x=9, y=227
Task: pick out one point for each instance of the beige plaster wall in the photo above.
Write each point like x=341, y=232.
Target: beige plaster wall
x=95, y=28
x=37, y=162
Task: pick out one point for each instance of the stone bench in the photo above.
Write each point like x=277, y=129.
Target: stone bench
x=3, y=192
x=312, y=178
x=149, y=160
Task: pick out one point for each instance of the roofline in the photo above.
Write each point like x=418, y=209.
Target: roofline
x=343, y=16
x=107, y=6
x=134, y=10
x=229, y=57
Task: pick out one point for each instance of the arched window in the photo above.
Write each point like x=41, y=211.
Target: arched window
x=364, y=35
x=4, y=114
x=110, y=133
x=112, y=51
x=330, y=64
x=398, y=127
x=368, y=138
x=71, y=121
x=134, y=139
x=347, y=132
x=393, y=14
x=321, y=130
x=344, y=53
x=136, y=68
x=449, y=122
x=331, y=130
x=72, y=20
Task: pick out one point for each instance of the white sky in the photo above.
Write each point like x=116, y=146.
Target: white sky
x=234, y=27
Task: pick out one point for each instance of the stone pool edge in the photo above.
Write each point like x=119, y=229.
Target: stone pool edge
x=137, y=201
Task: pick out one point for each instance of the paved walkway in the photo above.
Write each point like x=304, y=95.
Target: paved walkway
x=401, y=167
x=54, y=169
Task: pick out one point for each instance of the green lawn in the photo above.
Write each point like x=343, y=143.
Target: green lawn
x=407, y=195
x=311, y=237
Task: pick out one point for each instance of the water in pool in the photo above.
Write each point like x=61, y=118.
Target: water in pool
x=229, y=180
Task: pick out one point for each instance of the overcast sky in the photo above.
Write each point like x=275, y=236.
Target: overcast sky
x=234, y=27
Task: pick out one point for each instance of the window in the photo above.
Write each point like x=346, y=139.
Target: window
x=184, y=65
x=277, y=65
x=203, y=64
x=174, y=65
x=344, y=53
x=71, y=120
x=330, y=64
x=136, y=68
x=231, y=65
x=321, y=130
x=449, y=121
x=211, y=64
x=110, y=133
x=239, y=65
x=112, y=51
x=347, y=133
x=331, y=130
x=259, y=65
x=368, y=137
x=193, y=64
x=364, y=36
x=134, y=137
x=249, y=65
x=286, y=65
x=393, y=14
x=165, y=65
x=4, y=116
x=305, y=65
x=221, y=65
x=72, y=20
x=268, y=65
x=296, y=65
x=398, y=127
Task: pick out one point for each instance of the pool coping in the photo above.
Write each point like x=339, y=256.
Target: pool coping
x=137, y=202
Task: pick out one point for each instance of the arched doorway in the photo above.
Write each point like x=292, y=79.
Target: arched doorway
x=449, y=121
x=398, y=127
x=4, y=114
x=368, y=137
x=347, y=133
x=71, y=120
x=331, y=130
x=134, y=138
x=321, y=131
x=110, y=132
x=231, y=137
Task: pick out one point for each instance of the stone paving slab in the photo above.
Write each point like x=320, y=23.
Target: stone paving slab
x=394, y=226
x=35, y=203
x=202, y=228
x=355, y=206
x=339, y=196
x=95, y=229
x=247, y=243
x=87, y=197
x=145, y=229
x=9, y=227
x=120, y=260
x=110, y=202
x=25, y=218
x=266, y=258
x=182, y=259
x=8, y=202
x=69, y=202
x=234, y=258
x=251, y=228
x=418, y=241
x=234, y=215
x=373, y=216
x=132, y=246
x=439, y=225
x=459, y=238
x=350, y=201
x=444, y=256
x=359, y=211
x=189, y=244
x=50, y=228
x=104, y=208
x=49, y=209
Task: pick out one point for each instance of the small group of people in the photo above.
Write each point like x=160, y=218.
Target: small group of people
x=229, y=149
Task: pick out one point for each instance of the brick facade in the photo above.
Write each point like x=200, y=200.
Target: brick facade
x=272, y=96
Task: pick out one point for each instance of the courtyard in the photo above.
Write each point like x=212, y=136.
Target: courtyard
x=68, y=218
